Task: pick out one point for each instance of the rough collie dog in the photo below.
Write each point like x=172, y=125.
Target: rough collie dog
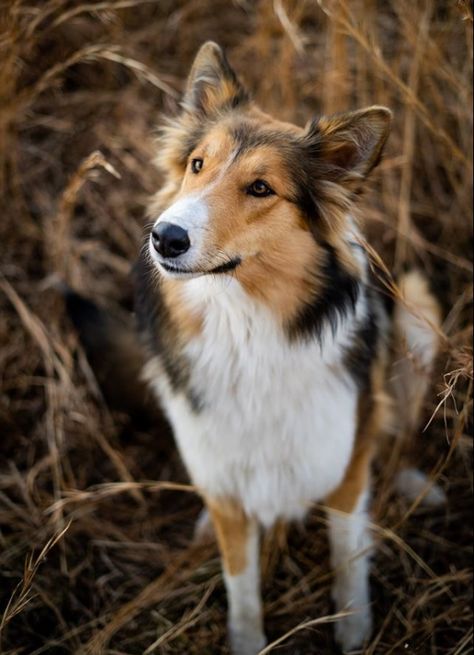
x=272, y=352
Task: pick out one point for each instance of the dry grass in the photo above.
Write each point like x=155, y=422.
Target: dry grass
x=95, y=550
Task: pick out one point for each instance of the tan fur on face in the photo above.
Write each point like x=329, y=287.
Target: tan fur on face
x=280, y=257
x=282, y=251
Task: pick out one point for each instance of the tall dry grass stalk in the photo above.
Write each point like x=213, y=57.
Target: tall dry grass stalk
x=82, y=86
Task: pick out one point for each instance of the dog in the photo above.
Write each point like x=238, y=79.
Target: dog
x=272, y=345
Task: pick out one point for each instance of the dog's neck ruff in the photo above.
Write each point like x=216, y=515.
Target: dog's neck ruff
x=261, y=401
x=229, y=312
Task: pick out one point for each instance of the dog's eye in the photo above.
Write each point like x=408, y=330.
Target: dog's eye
x=196, y=165
x=259, y=189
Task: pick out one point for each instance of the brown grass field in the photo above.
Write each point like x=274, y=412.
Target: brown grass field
x=96, y=515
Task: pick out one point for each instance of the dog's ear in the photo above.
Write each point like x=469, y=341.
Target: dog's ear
x=348, y=146
x=212, y=83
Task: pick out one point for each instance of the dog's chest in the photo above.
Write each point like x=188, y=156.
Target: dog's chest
x=276, y=420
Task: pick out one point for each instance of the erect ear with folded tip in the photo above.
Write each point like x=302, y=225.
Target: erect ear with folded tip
x=212, y=83
x=348, y=146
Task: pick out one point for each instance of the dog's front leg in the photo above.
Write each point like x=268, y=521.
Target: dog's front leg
x=238, y=539
x=350, y=544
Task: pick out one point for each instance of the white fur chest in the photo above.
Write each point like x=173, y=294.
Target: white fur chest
x=277, y=422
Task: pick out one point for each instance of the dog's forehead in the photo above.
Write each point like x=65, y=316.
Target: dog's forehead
x=251, y=136
x=217, y=142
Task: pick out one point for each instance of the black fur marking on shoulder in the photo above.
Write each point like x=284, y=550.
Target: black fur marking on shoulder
x=363, y=350
x=337, y=299
x=156, y=327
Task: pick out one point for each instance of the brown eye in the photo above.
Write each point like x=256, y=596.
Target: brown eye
x=196, y=165
x=259, y=189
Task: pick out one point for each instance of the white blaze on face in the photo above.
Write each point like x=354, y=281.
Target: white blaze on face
x=191, y=214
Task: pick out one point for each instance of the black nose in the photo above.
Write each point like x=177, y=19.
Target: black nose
x=170, y=240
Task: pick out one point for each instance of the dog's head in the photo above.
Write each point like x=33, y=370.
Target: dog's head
x=252, y=195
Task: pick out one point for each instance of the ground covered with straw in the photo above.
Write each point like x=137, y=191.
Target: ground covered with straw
x=96, y=515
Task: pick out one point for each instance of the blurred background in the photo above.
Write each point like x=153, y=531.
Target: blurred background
x=95, y=553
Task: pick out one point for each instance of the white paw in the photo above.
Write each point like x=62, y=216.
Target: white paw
x=203, y=529
x=246, y=641
x=351, y=632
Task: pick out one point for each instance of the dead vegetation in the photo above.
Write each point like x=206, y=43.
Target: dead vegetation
x=95, y=512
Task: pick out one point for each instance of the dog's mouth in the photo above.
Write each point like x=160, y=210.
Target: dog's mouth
x=226, y=267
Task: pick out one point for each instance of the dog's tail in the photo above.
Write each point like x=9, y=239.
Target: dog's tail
x=416, y=329
x=114, y=351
